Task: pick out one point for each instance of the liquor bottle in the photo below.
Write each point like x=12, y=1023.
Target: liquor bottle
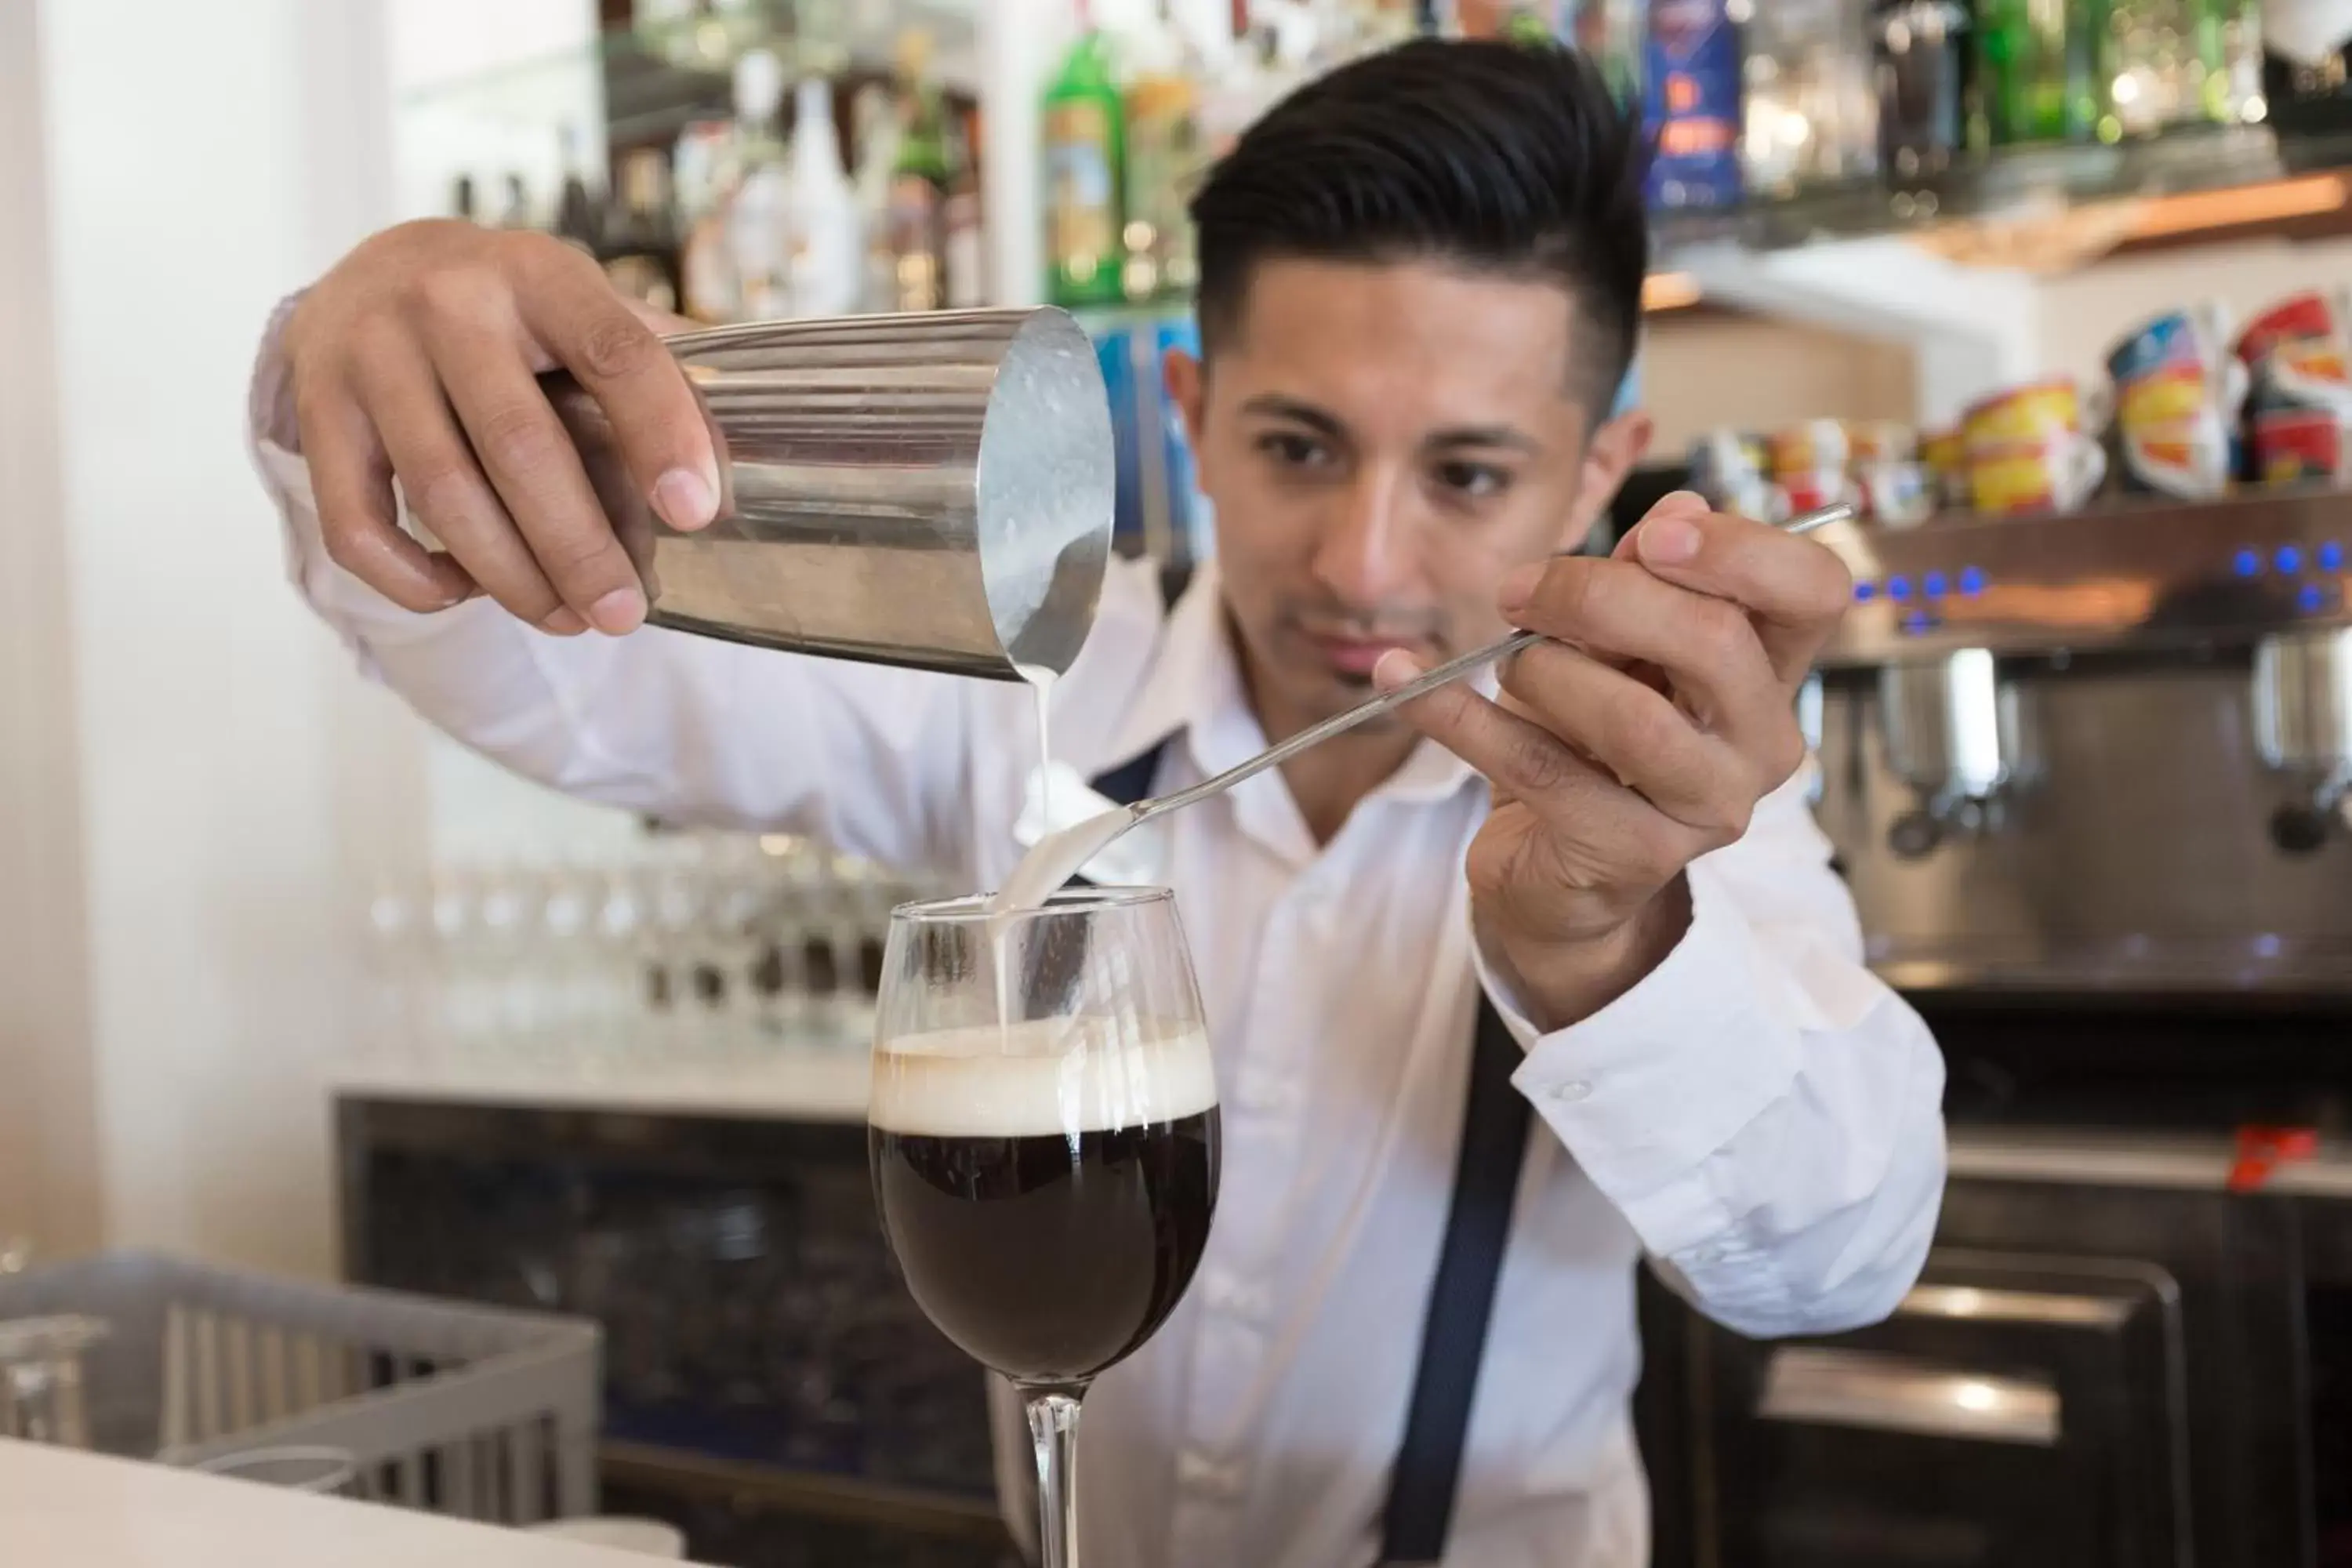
x=1691, y=104
x=758, y=223
x=873, y=125
x=1926, y=71
x=578, y=216
x=1809, y=108
x=640, y=249
x=1085, y=154
x=918, y=185
x=2237, y=97
x=827, y=251
x=1610, y=33
x=517, y=212
x=2047, y=71
x=1163, y=153
x=701, y=173
x=966, y=251
x=2307, y=71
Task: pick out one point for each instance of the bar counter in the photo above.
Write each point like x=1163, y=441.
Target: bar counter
x=60, y=1509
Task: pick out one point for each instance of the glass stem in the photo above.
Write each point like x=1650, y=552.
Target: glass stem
x=1053, y=1428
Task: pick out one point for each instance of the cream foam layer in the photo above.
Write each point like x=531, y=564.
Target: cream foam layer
x=1043, y=1076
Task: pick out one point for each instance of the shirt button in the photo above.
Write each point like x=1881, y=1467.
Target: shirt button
x=1196, y=1472
x=1265, y=1092
x=1571, y=1092
x=1223, y=1293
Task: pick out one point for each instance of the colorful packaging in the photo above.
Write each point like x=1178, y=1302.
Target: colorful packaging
x=2179, y=398
x=2027, y=451
x=1127, y=382
x=1809, y=492
x=1946, y=456
x=1726, y=466
x=1158, y=511
x=1896, y=493
x=2301, y=446
x=2029, y=414
x=2312, y=316
x=1191, y=528
x=1811, y=445
x=1691, y=104
x=1873, y=441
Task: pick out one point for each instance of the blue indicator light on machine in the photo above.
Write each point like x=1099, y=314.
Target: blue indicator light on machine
x=1972, y=580
x=1899, y=588
x=2331, y=557
x=1918, y=621
x=2247, y=564
x=2310, y=599
x=2289, y=559
x=1864, y=591
x=1933, y=584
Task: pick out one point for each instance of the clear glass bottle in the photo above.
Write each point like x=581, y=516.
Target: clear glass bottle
x=1926, y=66
x=759, y=205
x=919, y=183
x=1163, y=153
x=1812, y=108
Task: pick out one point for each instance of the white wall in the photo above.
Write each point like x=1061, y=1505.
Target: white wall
x=487, y=91
x=1707, y=372
x=2086, y=312
x=201, y=163
x=195, y=791
x=48, y=1162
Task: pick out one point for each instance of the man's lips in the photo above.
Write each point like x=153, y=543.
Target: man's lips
x=1355, y=656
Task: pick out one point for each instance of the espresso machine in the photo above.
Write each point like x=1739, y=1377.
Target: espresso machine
x=2088, y=779
x=2104, y=754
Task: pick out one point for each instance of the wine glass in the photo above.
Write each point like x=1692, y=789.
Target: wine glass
x=1044, y=1132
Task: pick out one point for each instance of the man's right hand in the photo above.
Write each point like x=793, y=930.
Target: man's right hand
x=416, y=358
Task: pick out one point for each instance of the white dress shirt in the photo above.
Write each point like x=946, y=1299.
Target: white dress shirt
x=1760, y=1115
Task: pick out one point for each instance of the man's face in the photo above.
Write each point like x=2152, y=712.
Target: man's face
x=1383, y=442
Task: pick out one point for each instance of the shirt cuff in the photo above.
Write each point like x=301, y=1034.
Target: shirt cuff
x=1643, y=1091
x=273, y=439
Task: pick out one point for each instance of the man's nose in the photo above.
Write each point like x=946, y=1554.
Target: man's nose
x=1367, y=551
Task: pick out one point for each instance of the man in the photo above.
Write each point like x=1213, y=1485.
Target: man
x=1420, y=289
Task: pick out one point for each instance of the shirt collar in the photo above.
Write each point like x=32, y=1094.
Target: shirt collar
x=1193, y=691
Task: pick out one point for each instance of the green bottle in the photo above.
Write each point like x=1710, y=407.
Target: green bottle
x=1086, y=153
x=918, y=185
x=2044, y=69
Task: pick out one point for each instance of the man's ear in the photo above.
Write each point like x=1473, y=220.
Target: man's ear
x=1181, y=374
x=1616, y=447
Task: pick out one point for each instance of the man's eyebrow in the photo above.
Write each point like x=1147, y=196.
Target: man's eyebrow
x=1306, y=413
x=1484, y=436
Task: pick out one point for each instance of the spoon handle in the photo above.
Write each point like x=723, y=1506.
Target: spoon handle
x=1339, y=723
x=1452, y=669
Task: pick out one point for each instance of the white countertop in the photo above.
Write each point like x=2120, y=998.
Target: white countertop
x=65, y=1509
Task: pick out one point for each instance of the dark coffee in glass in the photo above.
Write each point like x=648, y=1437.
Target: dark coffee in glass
x=1044, y=1133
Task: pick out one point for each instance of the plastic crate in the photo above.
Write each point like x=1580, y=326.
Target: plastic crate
x=473, y=1411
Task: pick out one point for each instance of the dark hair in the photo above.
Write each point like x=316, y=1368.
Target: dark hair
x=1510, y=158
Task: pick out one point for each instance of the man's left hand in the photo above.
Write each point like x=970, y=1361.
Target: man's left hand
x=1635, y=740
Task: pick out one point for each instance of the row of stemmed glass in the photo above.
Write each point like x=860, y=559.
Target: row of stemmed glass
x=698, y=946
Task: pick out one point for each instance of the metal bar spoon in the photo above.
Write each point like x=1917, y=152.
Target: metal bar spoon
x=1058, y=858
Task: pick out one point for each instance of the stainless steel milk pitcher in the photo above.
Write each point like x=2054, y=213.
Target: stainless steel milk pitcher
x=932, y=490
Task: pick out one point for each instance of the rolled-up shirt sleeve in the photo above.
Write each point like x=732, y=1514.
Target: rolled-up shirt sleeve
x=1765, y=1112
x=874, y=761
